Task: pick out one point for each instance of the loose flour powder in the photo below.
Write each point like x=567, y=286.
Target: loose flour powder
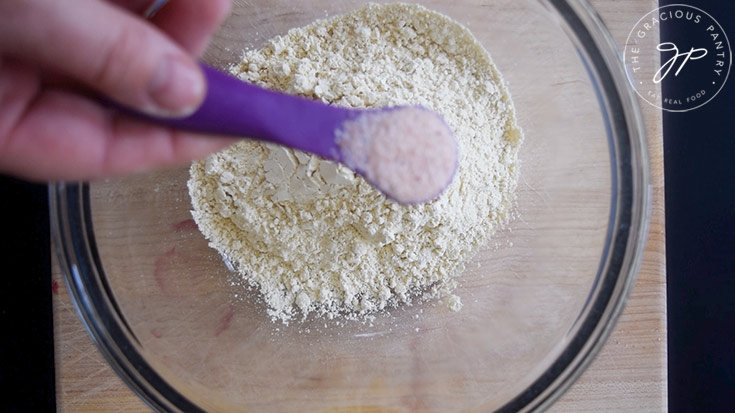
x=311, y=235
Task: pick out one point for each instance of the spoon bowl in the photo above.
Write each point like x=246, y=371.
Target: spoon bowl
x=407, y=152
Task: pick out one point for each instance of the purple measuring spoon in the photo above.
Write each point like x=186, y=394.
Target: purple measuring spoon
x=240, y=109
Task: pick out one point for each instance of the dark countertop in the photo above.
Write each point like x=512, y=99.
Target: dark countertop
x=699, y=155
x=699, y=167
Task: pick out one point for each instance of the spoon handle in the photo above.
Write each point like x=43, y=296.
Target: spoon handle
x=236, y=108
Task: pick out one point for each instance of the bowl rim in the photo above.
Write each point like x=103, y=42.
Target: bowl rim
x=74, y=241
x=629, y=213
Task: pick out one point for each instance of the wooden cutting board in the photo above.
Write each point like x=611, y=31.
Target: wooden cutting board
x=628, y=375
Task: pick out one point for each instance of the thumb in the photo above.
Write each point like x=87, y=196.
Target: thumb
x=106, y=48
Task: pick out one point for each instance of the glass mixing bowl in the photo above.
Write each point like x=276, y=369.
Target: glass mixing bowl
x=539, y=300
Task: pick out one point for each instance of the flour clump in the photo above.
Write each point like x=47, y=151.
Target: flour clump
x=313, y=237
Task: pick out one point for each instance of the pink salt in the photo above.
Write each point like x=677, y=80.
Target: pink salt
x=409, y=153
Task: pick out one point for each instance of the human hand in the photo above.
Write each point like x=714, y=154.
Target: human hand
x=52, y=51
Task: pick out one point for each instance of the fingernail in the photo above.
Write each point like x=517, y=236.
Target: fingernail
x=177, y=87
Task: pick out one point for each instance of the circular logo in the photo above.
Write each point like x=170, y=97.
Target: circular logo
x=677, y=57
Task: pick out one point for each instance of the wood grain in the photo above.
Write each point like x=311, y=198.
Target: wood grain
x=629, y=374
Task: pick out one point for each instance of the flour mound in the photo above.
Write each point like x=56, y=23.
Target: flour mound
x=313, y=237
